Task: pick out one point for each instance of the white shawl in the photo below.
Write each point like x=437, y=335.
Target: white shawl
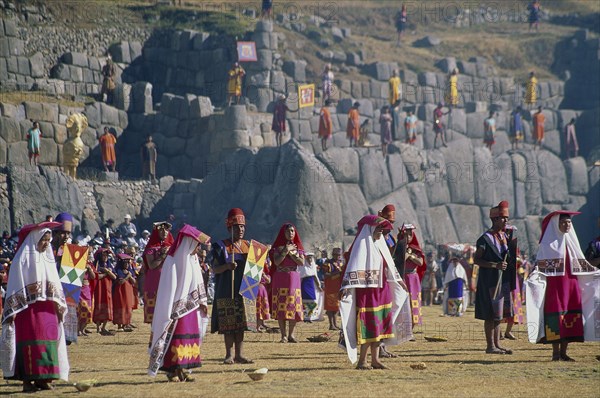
x=180, y=291
x=552, y=252
x=30, y=268
x=364, y=270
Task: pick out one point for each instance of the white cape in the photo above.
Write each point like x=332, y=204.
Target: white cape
x=180, y=291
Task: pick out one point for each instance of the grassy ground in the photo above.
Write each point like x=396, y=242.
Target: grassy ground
x=18, y=97
x=456, y=368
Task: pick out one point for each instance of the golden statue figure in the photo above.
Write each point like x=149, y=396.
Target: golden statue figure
x=73, y=148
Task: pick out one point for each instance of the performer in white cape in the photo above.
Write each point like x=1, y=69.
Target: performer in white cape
x=563, y=292
x=374, y=304
x=33, y=347
x=180, y=317
x=455, y=281
x=312, y=293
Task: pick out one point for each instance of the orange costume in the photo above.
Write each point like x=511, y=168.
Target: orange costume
x=332, y=271
x=325, y=126
x=107, y=147
x=353, y=127
x=538, y=126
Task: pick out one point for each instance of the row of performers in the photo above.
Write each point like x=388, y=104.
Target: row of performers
x=375, y=301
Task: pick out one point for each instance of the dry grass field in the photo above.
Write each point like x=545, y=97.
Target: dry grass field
x=457, y=368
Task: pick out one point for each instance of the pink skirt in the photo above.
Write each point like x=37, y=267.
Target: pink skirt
x=287, y=296
x=184, y=350
x=37, y=336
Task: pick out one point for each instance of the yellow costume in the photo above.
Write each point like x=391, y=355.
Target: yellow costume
x=395, y=89
x=452, y=95
x=531, y=93
x=234, y=85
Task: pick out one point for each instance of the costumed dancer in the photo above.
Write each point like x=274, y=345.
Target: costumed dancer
x=455, y=281
x=33, y=341
x=103, y=303
x=228, y=312
x=332, y=279
x=123, y=293
x=413, y=270
x=312, y=293
x=496, y=258
x=153, y=257
x=85, y=308
x=61, y=235
x=373, y=296
x=389, y=213
x=263, y=308
x=287, y=254
x=563, y=292
x=517, y=303
x=181, y=315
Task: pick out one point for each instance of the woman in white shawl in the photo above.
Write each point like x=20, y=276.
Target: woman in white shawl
x=312, y=294
x=454, y=282
x=33, y=347
x=374, y=304
x=564, y=291
x=180, y=317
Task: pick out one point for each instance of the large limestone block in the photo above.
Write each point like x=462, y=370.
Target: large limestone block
x=236, y=117
x=553, y=178
x=34, y=111
x=109, y=115
x=354, y=205
x=459, y=171
x=3, y=154
x=534, y=230
x=48, y=151
x=475, y=124
x=296, y=70
x=75, y=58
x=374, y=178
x=418, y=196
x=577, y=176
x=36, y=65
x=435, y=179
x=519, y=208
x=468, y=221
x=112, y=203
x=502, y=144
x=141, y=97
x=36, y=194
x=503, y=180
x=50, y=112
x=405, y=212
x=486, y=174
x=120, y=52
x=398, y=174
x=443, y=227
x=10, y=130
x=342, y=163
x=17, y=153
x=552, y=142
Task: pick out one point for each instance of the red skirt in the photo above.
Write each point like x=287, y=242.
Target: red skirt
x=103, y=303
x=563, y=317
x=123, y=302
x=374, y=318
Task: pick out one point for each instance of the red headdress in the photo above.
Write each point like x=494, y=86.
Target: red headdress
x=499, y=211
x=281, y=240
x=388, y=212
x=235, y=216
x=154, y=240
x=415, y=247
